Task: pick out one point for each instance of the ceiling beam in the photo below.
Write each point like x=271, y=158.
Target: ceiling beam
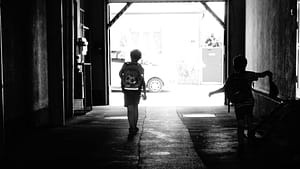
x=119, y=14
x=145, y=1
x=213, y=14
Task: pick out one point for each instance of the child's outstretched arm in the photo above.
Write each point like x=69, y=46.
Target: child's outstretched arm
x=222, y=89
x=265, y=73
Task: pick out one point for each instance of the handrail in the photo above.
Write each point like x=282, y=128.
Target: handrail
x=281, y=105
x=266, y=95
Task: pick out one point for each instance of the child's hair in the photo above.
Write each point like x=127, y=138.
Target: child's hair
x=239, y=63
x=135, y=55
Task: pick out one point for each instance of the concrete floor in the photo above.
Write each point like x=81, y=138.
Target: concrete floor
x=169, y=138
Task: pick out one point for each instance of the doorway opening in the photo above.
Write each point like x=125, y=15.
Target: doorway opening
x=182, y=48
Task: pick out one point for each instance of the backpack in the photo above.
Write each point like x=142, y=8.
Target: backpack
x=131, y=78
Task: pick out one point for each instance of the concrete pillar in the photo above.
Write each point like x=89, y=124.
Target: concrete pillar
x=271, y=45
x=96, y=21
x=39, y=64
x=68, y=46
x=271, y=42
x=55, y=62
x=236, y=30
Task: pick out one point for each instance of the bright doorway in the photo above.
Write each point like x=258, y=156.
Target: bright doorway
x=182, y=46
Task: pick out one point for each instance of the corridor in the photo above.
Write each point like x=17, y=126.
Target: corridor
x=169, y=137
x=58, y=111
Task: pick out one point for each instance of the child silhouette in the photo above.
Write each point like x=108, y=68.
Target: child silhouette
x=132, y=95
x=238, y=89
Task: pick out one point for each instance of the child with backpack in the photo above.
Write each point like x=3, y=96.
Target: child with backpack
x=133, y=83
x=238, y=90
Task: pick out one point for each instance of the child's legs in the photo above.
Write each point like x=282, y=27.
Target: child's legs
x=136, y=115
x=240, y=117
x=244, y=115
x=249, y=121
x=132, y=114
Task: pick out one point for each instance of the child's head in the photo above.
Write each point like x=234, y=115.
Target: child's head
x=135, y=55
x=239, y=63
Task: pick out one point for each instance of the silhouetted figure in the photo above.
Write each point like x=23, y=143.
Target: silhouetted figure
x=238, y=89
x=133, y=83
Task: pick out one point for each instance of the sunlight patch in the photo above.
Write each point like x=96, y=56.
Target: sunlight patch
x=116, y=118
x=199, y=115
x=161, y=153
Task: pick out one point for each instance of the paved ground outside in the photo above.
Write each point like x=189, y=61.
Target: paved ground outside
x=179, y=95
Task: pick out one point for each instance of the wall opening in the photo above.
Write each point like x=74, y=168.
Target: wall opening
x=182, y=46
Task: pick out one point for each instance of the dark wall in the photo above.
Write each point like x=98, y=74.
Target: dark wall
x=25, y=63
x=271, y=44
x=16, y=58
x=38, y=60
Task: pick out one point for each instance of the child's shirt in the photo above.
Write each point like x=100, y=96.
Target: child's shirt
x=241, y=83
